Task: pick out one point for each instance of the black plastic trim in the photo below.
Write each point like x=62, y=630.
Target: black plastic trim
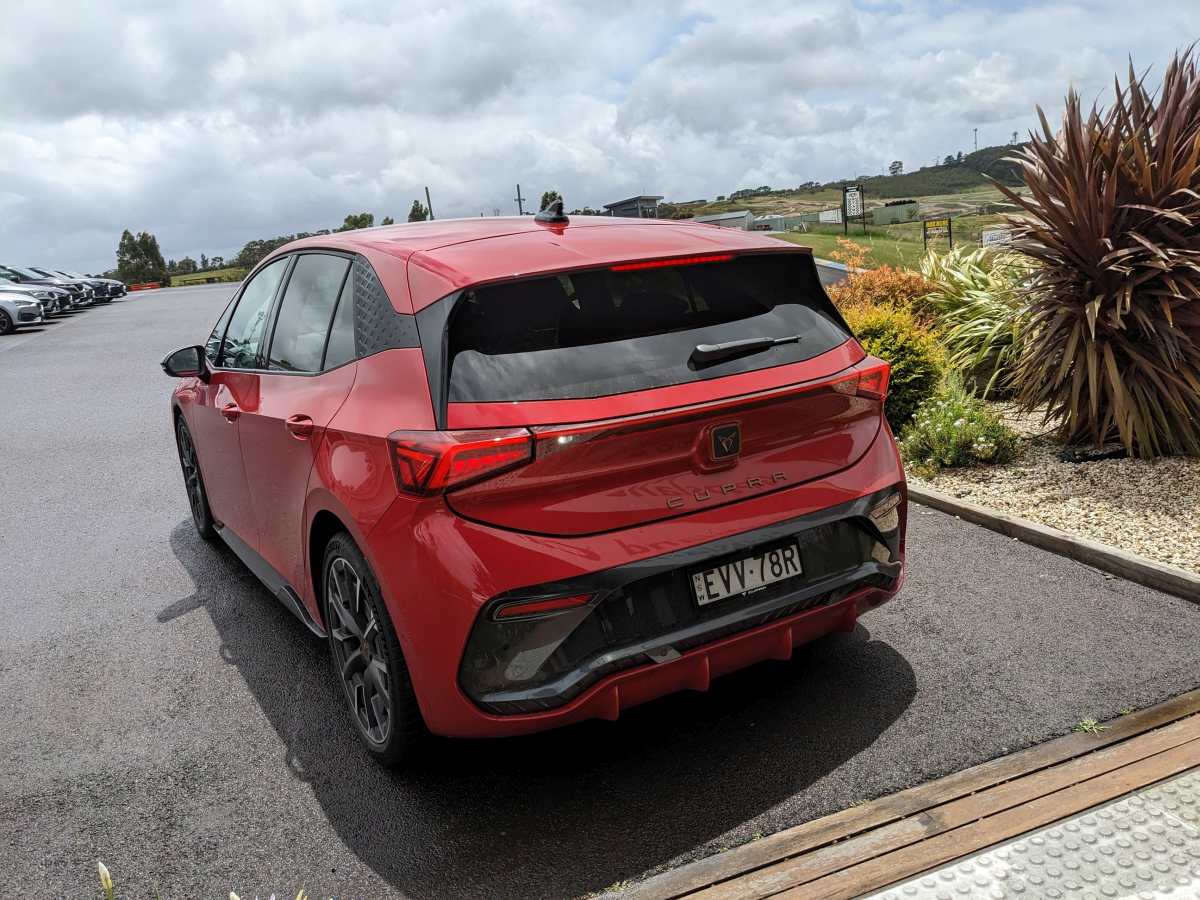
x=271, y=579
x=607, y=581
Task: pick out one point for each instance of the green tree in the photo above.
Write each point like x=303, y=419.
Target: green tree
x=139, y=259
x=419, y=212
x=203, y=262
x=388, y=220
x=357, y=220
x=549, y=197
x=186, y=266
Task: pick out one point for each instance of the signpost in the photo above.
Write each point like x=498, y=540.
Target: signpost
x=853, y=206
x=995, y=237
x=937, y=228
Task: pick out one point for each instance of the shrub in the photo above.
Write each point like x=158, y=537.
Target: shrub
x=885, y=287
x=915, y=356
x=957, y=429
x=1113, y=216
x=979, y=298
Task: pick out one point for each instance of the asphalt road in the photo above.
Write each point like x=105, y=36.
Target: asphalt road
x=160, y=711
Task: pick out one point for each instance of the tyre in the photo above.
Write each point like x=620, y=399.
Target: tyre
x=6, y=323
x=366, y=656
x=193, y=481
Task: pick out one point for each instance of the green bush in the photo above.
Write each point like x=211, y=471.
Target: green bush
x=957, y=429
x=916, y=358
x=979, y=299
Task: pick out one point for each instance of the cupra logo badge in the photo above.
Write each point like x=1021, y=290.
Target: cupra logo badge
x=726, y=441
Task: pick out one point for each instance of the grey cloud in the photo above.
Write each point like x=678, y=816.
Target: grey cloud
x=215, y=123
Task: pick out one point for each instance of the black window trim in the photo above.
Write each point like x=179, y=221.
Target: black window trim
x=276, y=301
x=277, y=305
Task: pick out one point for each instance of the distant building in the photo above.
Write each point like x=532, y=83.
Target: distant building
x=778, y=222
x=643, y=207
x=744, y=219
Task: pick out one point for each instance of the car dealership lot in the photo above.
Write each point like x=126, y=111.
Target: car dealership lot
x=160, y=711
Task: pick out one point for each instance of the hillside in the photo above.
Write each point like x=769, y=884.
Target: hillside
x=970, y=176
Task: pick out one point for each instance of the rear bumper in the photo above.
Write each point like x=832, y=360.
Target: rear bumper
x=439, y=572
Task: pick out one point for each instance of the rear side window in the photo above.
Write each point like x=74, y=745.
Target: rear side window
x=600, y=332
x=244, y=337
x=305, y=312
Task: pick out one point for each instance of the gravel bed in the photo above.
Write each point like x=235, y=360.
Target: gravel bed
x=1148, y=508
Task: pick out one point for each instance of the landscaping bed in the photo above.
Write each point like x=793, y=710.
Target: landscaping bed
x=1146, y=507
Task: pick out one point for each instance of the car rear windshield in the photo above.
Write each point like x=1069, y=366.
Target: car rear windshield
x=610, y=331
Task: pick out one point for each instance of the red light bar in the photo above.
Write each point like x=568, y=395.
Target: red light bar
x=677, y=261
x=520, y=609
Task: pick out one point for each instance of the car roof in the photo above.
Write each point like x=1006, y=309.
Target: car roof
x=448, y=254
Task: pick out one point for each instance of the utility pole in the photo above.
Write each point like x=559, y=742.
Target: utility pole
x=976, y=130
x=520, y=202
x=428, y=203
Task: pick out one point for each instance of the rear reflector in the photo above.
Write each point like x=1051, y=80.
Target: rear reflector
x=677, y=261
x=430, y=462
x=523, y=608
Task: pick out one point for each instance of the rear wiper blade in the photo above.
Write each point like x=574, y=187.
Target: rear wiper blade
x=707, y=354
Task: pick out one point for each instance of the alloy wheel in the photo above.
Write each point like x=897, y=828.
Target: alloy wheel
x=6, y=324
x=191, y=474
x=358, y=648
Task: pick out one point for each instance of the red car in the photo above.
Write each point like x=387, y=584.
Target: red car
x=524, y=472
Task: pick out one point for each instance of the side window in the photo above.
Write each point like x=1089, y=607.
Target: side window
x=212, y=347
x=305, y=311
x=341, y=334
x=249, y=321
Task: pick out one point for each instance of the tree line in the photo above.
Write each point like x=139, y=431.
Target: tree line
x=140, y=260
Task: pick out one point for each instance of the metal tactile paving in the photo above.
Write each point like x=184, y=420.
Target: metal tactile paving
x=1145, y=845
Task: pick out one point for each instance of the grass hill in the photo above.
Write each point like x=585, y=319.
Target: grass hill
x=968, y=175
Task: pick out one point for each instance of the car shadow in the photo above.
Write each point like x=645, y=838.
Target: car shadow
x=566, y=812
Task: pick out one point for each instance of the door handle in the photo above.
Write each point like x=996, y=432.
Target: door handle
x=231, y=412
x=300, y=426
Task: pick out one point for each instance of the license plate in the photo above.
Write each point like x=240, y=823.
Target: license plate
x=743, y=576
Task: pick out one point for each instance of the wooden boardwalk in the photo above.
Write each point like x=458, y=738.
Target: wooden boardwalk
x=867, y=847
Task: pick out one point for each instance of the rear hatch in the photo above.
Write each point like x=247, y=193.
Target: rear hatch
x=650, y=389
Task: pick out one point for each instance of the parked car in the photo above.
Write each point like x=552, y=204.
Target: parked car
x=106, y=289
x=81, y=294
x=18, y=309
x=525, y=472
x=54, y=300
x=88, y=288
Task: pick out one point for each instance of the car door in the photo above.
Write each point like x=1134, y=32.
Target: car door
x=231, y=391
x=298, y=395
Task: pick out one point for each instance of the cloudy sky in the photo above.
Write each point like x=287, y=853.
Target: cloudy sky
x=213, y=123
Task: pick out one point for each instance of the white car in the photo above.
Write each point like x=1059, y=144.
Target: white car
x=18, y=310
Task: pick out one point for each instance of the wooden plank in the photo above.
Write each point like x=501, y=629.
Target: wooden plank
x=901, y=864
x=838, y=826
x=929, y=823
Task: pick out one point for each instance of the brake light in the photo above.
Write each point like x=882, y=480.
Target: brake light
x=677, y=261
x=430, y=462
x=873, y=380
x=869, y=380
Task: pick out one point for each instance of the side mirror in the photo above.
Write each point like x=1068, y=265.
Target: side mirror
x=187, y=362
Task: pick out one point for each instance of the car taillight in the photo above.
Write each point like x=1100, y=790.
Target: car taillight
x=869, y=379
x=430, y=462
x=520, y=609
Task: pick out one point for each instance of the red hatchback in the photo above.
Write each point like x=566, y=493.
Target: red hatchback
x=526, y=472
